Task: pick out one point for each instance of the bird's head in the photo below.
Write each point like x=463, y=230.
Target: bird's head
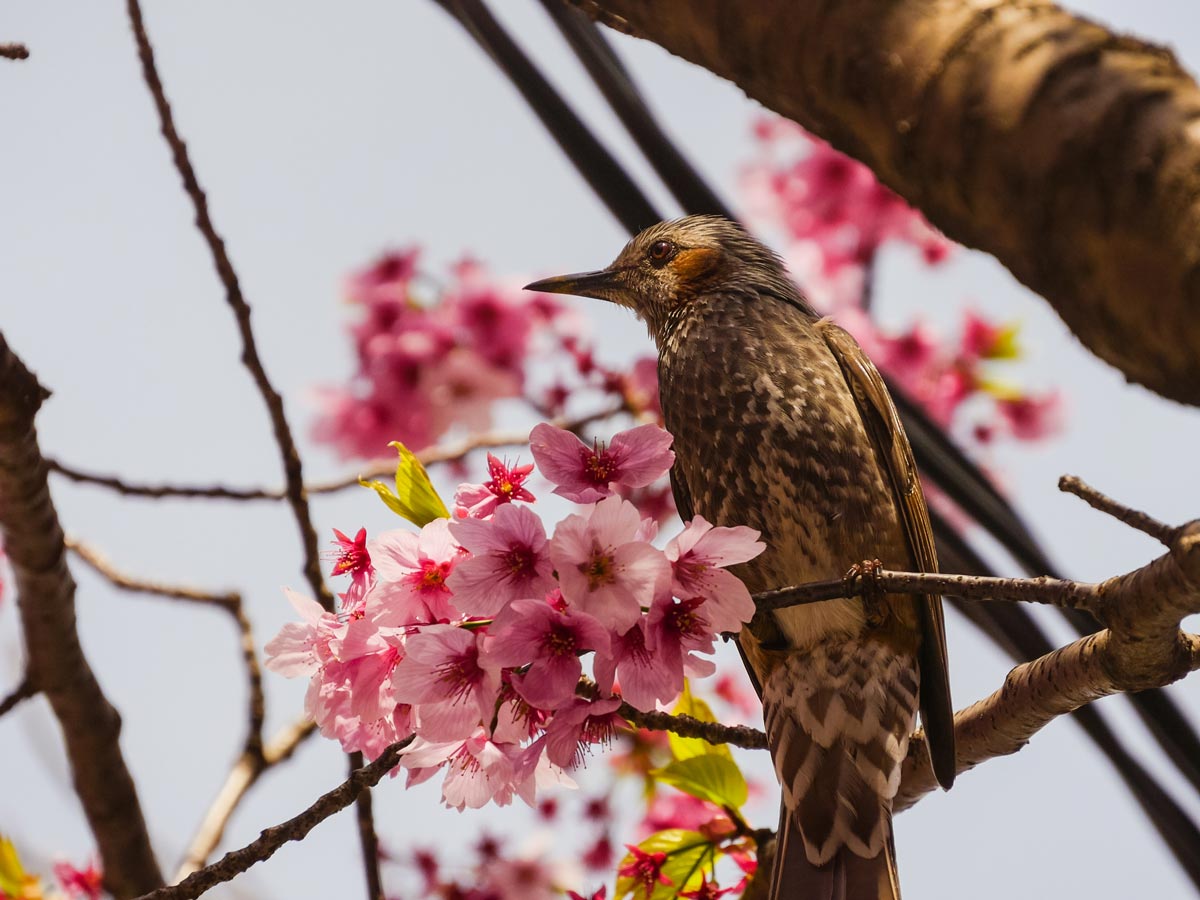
x=669, y=265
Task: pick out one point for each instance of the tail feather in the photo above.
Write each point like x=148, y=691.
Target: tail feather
x=845, y=877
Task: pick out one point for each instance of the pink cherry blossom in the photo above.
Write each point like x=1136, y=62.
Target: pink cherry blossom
x=450, y=687
x=479, y=501
x=79, y=884
x=601, y=892
x=602, y=569
x=644, y=677
x=574, y=729
x=412, y=570
x=366, y=655
x=478, y=770
x=509, y=560
x=534, y=630
x=583, y=474
x=302, y=648
x=698, y=556
x=646, y=870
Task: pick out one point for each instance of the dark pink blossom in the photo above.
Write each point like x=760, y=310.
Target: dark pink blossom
x=80, y=884
x=509, y=560
x=575, y=728
x=583, y=474
x=532, y=630
x=646, y=869
x=601, y=892
x=479, y=501
x=603, y=568
x=676, y=630
x=708, y=890
x=449, y=686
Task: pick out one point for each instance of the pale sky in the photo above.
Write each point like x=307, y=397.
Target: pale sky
x=324, y=135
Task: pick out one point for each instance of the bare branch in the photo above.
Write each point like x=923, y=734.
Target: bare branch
x=33, y=541
x=242, y=776
x=1141, y=648
x=14, y=51
x=292, y=468
x=229, y=601
x=234, y=863
x=687, y=726
x=18, y=695
x=443, y=453
x=1135, y=519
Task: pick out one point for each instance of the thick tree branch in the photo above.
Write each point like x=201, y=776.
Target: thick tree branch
x=33, y=541
x=1065, y=150
x=292, y=468
x=295, y=829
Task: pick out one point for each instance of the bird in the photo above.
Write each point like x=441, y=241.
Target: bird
x=781, y=423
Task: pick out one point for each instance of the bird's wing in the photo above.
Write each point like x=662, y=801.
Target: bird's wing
x=887, y=433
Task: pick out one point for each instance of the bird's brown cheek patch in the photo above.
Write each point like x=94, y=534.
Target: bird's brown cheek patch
x=693, y=266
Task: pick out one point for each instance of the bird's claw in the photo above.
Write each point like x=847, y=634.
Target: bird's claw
x=863, y=579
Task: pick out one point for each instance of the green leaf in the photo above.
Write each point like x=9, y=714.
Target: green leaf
x=13, y=879
x=710, y=777
x=685, y=748
x=415, y=498
x=687, y=853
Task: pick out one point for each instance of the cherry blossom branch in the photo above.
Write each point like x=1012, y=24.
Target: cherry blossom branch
x=244, y=774
x=689, y=727
x=18, y=695
x=293, y=470
x=14, y=51
x=295, y=829
x=33, y=542
x=441, y=454
x=229, y=601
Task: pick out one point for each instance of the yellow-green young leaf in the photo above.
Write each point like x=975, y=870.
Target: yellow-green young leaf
x=1001, y=390
x=1005, y=346
x=709, y=777
x=415, y=498
x=685, y=748
x=688, y=854
x=13, y=879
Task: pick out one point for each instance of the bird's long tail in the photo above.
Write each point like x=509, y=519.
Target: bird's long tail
x=845, y=877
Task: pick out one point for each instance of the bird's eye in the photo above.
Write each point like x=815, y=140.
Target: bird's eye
x=660, y=252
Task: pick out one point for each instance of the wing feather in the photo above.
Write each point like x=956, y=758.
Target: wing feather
x=879, y=413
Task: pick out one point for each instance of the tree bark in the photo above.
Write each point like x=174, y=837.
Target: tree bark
x=57, y=667
x=1070, y=153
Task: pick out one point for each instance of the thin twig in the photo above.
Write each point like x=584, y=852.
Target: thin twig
x=14, y=51
x=1052, y=591
x=295, y=829
x=367, y=839
x=292, y=468
x=244, y=774
x=443, y=453
x=18, y=695
x=230, y=601
x=687, y=726
x=1140, y=521
x=99, y=563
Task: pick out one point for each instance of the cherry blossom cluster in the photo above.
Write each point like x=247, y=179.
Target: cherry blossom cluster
x=471, y=634
x=431, y=357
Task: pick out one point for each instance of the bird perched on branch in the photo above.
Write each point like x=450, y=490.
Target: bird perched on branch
x=783, y=424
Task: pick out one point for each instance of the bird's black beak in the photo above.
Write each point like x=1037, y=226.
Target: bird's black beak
x=607, y=284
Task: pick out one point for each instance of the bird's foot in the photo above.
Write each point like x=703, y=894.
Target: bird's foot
x=863, y=579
